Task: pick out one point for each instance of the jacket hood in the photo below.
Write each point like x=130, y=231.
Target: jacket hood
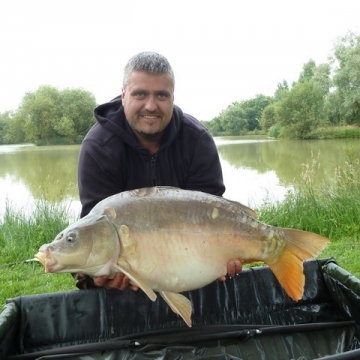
x=111, y=116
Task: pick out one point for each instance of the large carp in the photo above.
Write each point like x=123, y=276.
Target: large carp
x=171, y=240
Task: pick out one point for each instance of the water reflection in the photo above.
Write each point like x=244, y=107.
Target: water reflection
x=287, y=157
x=45, y=171
x=250, y=187
x=29, y=174
x=255, y=170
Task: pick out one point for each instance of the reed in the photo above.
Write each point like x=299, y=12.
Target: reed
x=330, y=209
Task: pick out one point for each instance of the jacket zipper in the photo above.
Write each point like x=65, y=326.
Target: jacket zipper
x=153, y=170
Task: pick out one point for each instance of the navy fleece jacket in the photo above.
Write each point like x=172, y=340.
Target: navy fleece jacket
x=111, y=159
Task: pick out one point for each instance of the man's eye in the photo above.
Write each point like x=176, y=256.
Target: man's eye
x=139, y=95
x=162, y=95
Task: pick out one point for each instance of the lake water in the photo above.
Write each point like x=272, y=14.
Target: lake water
x=255, y=170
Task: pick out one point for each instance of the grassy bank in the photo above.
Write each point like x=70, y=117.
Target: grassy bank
x=332, y=210
x=321, y=133
x=335, y=132
x=21, y=236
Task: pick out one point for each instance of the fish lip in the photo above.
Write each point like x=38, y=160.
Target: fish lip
x=40, y=256
x=48, y=262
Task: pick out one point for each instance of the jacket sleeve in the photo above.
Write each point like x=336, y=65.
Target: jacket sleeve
x=98, y=176
x=205, y=172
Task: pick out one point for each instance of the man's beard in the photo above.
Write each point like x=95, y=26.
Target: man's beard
x=150, y=136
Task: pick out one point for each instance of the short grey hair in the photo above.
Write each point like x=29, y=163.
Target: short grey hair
x=150, y=62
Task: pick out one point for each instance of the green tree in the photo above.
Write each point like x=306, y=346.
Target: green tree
x=233, y=120
x=347, y=77
x=253, y=109
x=307, y=71
x=300, y=111
x=4, y=123
x=77, y=113
x=215, y=126
x=322, y=78
x=241, y=117
x=281, y=91
x=14, y=130
x=332, y=106
x=48, y=114
x=268, y=117
x=40, y=111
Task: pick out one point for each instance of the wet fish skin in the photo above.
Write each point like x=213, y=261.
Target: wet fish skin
x=171, y=240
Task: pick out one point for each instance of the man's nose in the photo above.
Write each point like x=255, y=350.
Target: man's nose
x=151, y=103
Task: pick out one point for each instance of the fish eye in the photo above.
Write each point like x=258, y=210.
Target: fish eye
x=71, y=238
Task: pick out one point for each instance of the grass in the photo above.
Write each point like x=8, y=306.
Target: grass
x=21, y=236
x=332, y=210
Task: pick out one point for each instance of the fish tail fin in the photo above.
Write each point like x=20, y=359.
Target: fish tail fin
x=288, y=269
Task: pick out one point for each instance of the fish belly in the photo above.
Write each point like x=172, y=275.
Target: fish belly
x=174, y=262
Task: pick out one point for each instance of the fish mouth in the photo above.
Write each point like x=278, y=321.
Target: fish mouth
x=48, y=261
x=40, y=256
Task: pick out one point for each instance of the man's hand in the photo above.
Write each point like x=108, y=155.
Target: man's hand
x=120, y=282
x=234, y=267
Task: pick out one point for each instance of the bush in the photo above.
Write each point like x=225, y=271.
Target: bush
x=275, y=131
x=338, y=132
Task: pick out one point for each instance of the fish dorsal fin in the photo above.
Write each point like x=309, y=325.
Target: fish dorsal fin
x=124, y=267
x=179, y=304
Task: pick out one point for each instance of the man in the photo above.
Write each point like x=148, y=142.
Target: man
x=142, y=139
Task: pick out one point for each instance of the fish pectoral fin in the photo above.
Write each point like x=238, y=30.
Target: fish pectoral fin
x=179, y=304
x=136, y=280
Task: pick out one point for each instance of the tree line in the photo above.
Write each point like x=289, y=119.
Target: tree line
x=325, y=95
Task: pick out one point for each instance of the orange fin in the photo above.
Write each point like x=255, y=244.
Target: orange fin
x=288, y=269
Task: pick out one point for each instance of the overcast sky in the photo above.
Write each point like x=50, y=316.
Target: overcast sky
x=221, y=51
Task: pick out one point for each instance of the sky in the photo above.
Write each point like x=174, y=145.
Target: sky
x=221, y=52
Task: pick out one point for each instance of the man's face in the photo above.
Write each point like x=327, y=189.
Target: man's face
x=148, y=102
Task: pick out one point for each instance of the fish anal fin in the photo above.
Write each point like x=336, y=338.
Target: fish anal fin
x=179, y=304
x=288, y=269
x=123, y=267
